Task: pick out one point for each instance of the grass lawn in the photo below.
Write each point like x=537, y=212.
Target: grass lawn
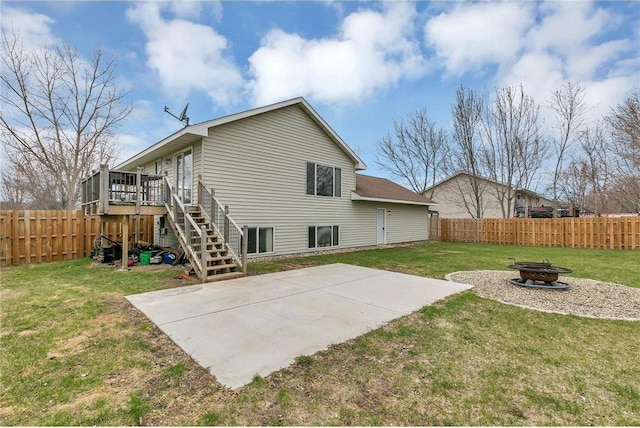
x=74, y=352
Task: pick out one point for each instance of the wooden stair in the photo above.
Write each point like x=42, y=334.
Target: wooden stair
x=220, y=264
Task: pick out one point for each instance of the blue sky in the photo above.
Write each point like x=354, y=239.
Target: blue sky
x=360, y=64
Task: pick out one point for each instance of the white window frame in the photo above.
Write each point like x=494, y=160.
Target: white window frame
x=336, y=188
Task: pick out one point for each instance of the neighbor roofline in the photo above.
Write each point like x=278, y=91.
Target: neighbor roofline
x=516, y=189
x=444, y=180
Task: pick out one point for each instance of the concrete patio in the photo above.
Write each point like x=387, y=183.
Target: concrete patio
x=259, y=324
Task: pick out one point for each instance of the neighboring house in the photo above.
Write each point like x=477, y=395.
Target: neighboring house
x=284, y=173
x=456, y=199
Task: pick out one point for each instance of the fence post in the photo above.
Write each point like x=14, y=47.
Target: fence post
x=245, y=246
x=226, y=224
x=203, y=252
x=15, y=239
x=82, y=234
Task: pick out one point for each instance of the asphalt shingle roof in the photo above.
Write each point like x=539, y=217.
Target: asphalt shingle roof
x=381, y=188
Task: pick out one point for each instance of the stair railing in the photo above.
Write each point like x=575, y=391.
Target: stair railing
x=224, y=225
x=192, y=237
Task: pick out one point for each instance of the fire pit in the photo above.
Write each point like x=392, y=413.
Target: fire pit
x=539, y=275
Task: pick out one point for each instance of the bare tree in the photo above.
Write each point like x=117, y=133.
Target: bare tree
x=14, y=195
x=59, y=115
x=27, y=186
x=594, y=145
x=569, y=107
x=574, y=182
x=468, y=151
x=514, y=149
x=417, y=153
x=624, y=125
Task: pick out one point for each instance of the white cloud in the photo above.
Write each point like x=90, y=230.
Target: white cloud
x=473, y=35
x=34, y=28
x=566, y=46
x=193, y=9
x=584, y=63
x=566, y=25
x=372, y=51
x=604, y=94
x=539, y=72
x=186, y=8
x=539, y=45
x=186, y=55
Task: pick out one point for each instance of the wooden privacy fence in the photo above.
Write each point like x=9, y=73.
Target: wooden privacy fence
x=36, y=236
x=584, y=232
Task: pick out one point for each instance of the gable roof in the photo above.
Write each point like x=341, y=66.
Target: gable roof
x=193, y=133
x=378, y=189
x=522, y=190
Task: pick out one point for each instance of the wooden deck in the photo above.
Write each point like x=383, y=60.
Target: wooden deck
x=115, y=196
x=118, y=193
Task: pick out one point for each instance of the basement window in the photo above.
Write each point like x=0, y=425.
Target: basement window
x=324, y=236
x=259, y=240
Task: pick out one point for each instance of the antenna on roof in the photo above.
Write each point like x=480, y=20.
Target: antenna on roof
x=183, y=115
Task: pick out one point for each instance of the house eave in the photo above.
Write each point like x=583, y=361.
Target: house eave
x=357, y=197
x=167, y=146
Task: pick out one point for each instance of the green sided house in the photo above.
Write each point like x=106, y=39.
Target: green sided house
x=274, y=180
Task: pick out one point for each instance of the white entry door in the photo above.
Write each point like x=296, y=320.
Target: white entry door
x=184, y=175
x=382, y=226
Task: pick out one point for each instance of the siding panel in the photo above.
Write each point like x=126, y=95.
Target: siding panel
x=257, y=166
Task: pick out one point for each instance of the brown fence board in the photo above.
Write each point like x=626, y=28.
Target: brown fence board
x=585, y=232
x=35, y=236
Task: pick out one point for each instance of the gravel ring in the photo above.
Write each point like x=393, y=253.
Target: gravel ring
x=585, y=297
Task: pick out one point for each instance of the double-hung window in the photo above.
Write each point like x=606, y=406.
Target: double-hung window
x=323, y=236
x=324, y=180
x=259, y=240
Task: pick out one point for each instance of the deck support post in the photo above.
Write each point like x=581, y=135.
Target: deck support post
x=103, y=203
x=136, y=232
x=125, y=243
x=103, y=232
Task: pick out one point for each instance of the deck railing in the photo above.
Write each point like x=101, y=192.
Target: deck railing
x=218, y=215
x=105, y=188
